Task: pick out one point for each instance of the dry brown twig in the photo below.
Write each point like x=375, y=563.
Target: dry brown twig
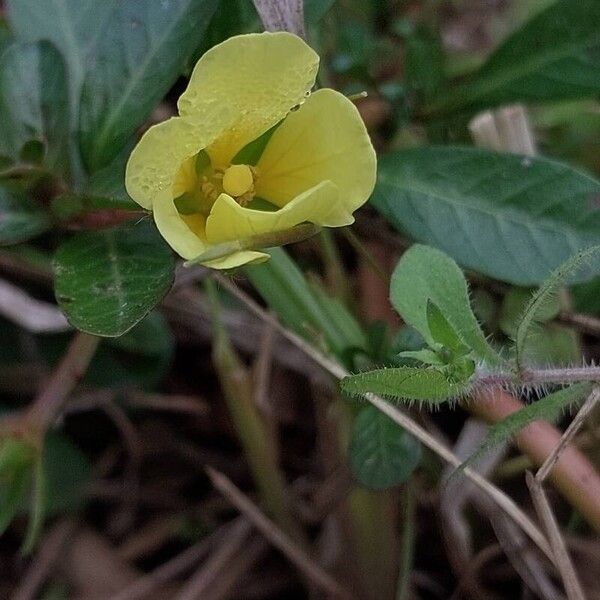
x=47, y=555
x=277, y=537
x=543, y=508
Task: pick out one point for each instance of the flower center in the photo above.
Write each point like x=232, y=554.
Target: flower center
x=238, y=180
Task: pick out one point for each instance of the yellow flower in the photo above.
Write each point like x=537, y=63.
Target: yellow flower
x=208, y=176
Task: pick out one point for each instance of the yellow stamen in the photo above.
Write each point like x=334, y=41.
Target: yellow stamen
x=238, y=180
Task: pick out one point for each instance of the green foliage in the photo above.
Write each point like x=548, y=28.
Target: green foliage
x=554, y=56
x=381, y=453
x=504, y=215
x=308, y=312
x=121, y=58
x=21, y=218
x=425, y=275
x=140, y=54
x=424, y=62
x=545, y=296
x=547, y=343
x=549, y=408
x=430, y=385
x=43, y=485
x=34, y=104
x=107, y=281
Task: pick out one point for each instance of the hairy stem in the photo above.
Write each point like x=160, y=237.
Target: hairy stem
x=533, y=377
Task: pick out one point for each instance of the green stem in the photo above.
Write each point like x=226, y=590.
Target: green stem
x=408, y=544
x=255, y=434
x=371, y=524
x=336, y=274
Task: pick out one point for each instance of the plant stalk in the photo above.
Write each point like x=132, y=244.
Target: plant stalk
x=255, y=434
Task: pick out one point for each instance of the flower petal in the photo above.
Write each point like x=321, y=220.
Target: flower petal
x=321, y=205
x=175, y=230
x=257, y=78
x=156, y=159
x=237, y=259
x=325, y=139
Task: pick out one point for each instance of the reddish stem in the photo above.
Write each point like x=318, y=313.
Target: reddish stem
x=573, y=475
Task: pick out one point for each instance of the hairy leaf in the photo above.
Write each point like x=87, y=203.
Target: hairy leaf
x=430, y=385
x=513, y=218
x=548, y=408
x=537, y=307
x=425, y=275
x=381, y=453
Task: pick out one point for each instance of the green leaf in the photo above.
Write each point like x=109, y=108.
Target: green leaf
x=381, y=454
x=143, y=49
x=250, y=154
x=315, y=10
x=16, y=458
x=513, y=218
x=425, y=275
x=430, y=385
x=150, y=337
x=5, y=35
x=441, y=331
x=73, y=26
x=48, y=484
x=587, y=296
x=67, y=472
x=20, y=217
x=37, y=510
x=34, y=103
x=537, y=307
x=107, y=281
x=426, y=356
x=12, y=495
x=513, y=305
x=285, y=289
x=554, y=56
x=232, y=17
x=549, y=408
x=424, y=61
x=552, y=344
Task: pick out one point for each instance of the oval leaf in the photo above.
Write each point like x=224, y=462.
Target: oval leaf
x=107, y=281
x=381, y=454
x=513, y=218
x=428, y=385
x=425, y=275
